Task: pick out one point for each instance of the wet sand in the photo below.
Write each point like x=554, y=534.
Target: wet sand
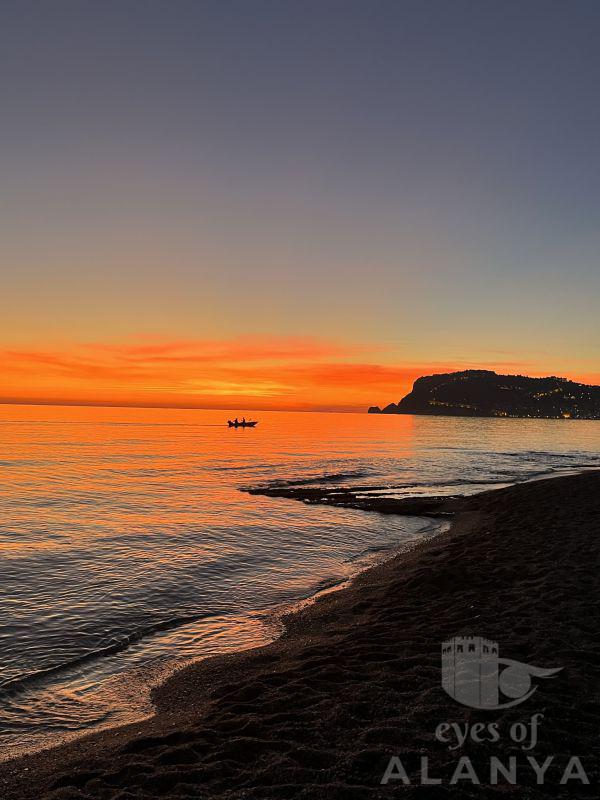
x=355, y=679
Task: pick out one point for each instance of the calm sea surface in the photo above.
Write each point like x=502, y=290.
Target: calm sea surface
x=127, y=547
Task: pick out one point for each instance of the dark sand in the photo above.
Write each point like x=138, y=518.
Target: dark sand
x=356, y=677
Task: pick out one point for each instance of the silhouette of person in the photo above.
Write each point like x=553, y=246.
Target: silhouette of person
x=236, y=421
x=243, y=420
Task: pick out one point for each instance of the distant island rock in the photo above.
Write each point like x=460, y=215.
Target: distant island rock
x=483, y=393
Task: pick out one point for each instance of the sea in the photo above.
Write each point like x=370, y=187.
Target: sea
x=128, y=547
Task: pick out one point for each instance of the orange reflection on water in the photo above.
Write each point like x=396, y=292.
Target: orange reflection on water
x=126, y=528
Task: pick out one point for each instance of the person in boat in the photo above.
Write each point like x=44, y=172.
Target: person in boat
x=243, y=420
x=236, y=421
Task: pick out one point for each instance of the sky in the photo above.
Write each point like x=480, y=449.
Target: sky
x=294, y=204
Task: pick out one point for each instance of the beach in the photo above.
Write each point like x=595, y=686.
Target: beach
x=354, y=681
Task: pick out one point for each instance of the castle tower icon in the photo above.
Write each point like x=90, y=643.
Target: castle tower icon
x=470, y=671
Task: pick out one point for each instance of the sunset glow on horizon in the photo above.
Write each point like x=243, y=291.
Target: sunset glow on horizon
x=289, y=373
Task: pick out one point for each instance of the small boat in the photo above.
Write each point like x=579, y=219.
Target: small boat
x=234, y=423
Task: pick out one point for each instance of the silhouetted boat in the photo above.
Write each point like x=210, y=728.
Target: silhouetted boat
x=246, y=424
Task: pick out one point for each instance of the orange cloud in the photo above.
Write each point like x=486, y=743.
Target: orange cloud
x=247, y=348
x=189, y=372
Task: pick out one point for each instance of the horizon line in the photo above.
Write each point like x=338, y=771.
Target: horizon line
x=66, y=403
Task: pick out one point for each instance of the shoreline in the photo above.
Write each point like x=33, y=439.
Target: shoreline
x=151, y=677
x=252, y=710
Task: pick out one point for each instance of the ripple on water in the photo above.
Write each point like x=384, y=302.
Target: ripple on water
x=128, y=549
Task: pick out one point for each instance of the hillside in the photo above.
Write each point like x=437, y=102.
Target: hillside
x=483, y=393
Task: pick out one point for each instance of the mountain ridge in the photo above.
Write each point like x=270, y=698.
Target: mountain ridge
x=485, y=393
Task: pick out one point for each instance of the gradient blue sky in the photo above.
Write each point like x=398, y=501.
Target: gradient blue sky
x=421, y=178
